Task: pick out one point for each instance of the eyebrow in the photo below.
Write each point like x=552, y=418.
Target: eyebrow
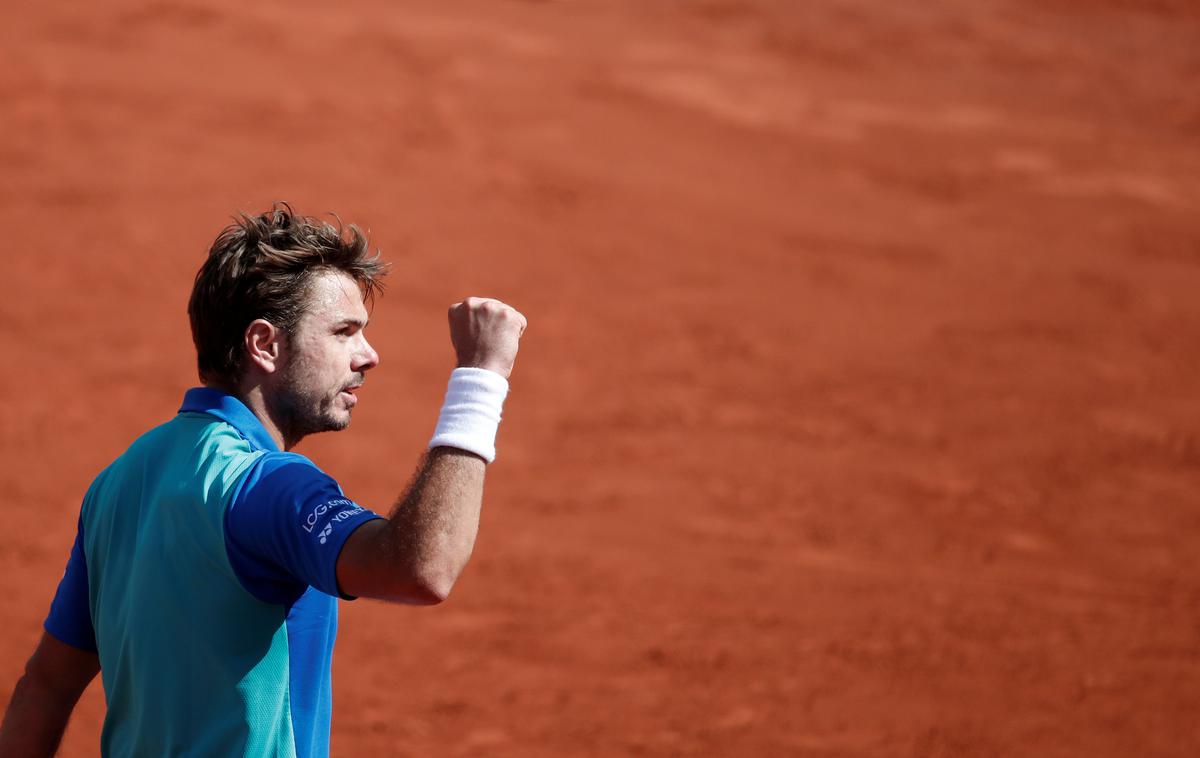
x=361, y=324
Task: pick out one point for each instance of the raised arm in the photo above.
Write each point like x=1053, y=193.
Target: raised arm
x=417, y=554
x=55, y=676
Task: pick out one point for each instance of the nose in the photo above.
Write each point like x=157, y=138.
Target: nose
x=365, y=357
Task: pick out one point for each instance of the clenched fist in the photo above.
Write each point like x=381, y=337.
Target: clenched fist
x=485, y=333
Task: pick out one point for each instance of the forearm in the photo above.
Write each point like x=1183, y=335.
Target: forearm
x=55, y=676
x=35, y=720
x=433, y=527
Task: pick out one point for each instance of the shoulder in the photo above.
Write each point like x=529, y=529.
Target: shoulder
x=145, y=448
x=275, y=460
x=286, y=478
x=191, y=440
x=288, y=470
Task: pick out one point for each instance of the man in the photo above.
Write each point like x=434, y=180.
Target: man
x=203, y=581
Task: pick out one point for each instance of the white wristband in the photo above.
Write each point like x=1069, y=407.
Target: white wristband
x=471, y=414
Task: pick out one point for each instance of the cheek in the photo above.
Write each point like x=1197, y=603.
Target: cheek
x=306, y=371
x=331, y=371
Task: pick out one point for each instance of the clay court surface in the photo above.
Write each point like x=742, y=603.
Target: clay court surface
x=859, y=413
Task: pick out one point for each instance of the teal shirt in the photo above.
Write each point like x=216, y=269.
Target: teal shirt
x=199, y=550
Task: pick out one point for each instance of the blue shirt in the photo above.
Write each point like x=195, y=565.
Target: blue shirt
x=204, y=575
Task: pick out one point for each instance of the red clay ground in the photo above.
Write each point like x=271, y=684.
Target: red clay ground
x=859, y=411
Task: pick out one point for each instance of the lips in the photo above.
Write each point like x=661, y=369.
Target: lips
x=351, y=398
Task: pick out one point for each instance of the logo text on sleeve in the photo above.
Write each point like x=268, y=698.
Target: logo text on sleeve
x=341, y=509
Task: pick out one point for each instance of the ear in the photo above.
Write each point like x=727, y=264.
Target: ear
x=264, y=345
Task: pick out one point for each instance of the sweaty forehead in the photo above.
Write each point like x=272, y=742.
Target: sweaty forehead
x=334, y=296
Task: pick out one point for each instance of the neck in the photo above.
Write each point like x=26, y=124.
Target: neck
x=256, y=400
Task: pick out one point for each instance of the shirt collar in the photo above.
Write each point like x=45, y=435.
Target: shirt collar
x=232, y=411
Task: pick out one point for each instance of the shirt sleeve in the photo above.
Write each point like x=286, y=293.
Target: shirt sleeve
x=286, y=527
x=70, y=619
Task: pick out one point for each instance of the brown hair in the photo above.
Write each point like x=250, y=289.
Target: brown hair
x=260, y=267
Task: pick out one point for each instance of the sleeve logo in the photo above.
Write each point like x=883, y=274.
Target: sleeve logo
x=341, y=509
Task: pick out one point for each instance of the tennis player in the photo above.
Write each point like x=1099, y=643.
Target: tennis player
x=209, y=558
